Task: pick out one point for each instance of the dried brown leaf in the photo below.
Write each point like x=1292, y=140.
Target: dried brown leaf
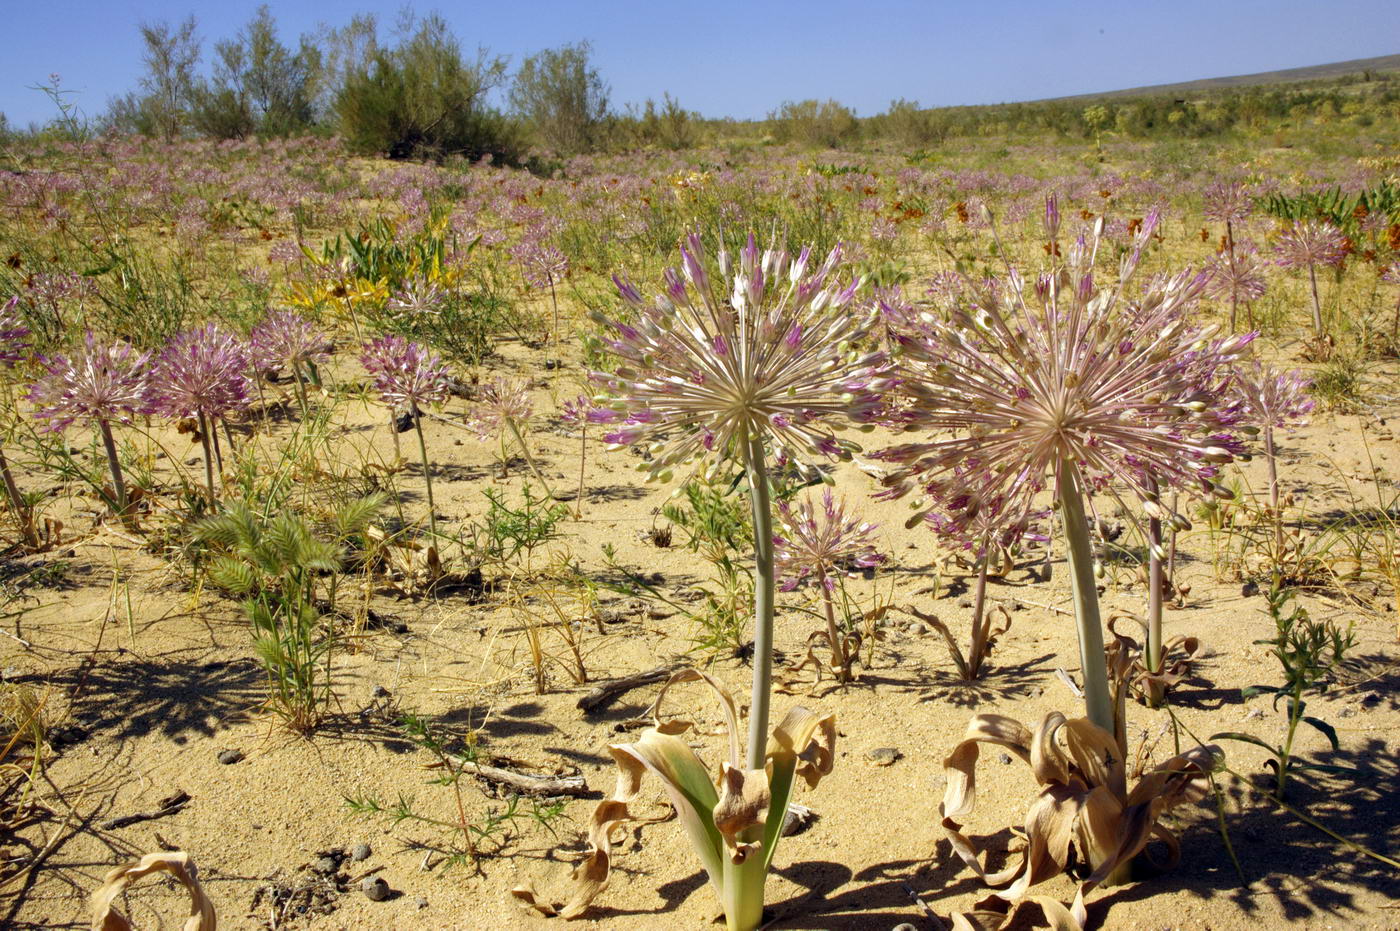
x=105, y=916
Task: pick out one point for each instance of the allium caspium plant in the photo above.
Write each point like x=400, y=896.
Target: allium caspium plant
x=752, y=357
x=102, y=384
x=203, y=374
x=1073, y=382
x=1272, y=400
x=1308, y=244
x=408, y=377
x=286, y=340
x=819, y=545
x=502, y=409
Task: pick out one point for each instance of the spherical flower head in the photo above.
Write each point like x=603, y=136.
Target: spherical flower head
x=1240, y=278
x=1270, y=398
x=1311, y=242
x=420, y=297
x=758, y=350
x=1227, y=202
x=817, y=543
x=406, y=374
x=501, y=403
x=993, y=527
x=285, y=339
x=14, y=335
x=104, y=382
x=1065, y=371
x=202, y=371
x=541, y=263
x=581, y=411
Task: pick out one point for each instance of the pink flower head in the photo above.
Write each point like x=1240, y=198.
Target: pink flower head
x=813, y=543
x=14, y=335
x=1271, y=398
x=1070, y=370
x=203, y=371
x=503, y=402
x=285, y=339
x=104, y=382
x=1227, y=202
x=542, y=264
x=759, y=350
x=406, y=374
x=1241, y=278
x=1310, y=242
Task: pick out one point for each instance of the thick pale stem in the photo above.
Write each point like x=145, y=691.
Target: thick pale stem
x=529, y=460
x=762, y=603
x=976, y=653
x=1098, y=698
x=1154, y=608
x=1234, y=298
x=301, y=391
x=113, y=463
x=834, y=636
x=427, y=473
x=1318, y=329
x=204, y=436
x=1270, y=459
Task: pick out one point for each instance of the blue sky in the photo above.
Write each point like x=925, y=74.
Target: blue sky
x=742, y=59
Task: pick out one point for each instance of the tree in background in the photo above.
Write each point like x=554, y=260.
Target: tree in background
x=815, y=123
x=259, y=85
x=562, y=97
x=422, y=98
x=171, y=56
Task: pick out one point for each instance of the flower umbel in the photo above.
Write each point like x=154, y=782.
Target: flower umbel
x=202, y=372
x=501, y=403
x=764, y=349
x=406, y=374
x=286, y=339
x=818, y=543
x=104, y=382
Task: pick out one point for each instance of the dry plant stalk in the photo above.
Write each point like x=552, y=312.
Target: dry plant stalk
x=1084, y=812
x=105, y=916
x=1128, y=664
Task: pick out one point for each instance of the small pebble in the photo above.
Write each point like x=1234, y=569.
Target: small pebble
x=326, y=866
x=421, y=902
x=883, y=756
x=917, y=628
x=1004, y=759
x=798, y=819
x=379, y=691
x=360, y=852
x=375, y=888
x=229, y=757
x=1249, y=589
x=1347, y=712
x=904, y=926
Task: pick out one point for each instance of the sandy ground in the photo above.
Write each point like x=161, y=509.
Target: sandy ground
x=144, y=700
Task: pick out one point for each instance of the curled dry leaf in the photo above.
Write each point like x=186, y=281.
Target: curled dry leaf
x=1084, y=813
x=728, y=820
x=1127, y=661
x=105, y=916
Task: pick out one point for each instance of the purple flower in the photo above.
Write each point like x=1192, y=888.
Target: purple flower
x=285, y=340
x=14, y=335
x=812, y=543
x=1240, y=278
x=1271, y=398
x=502, y=403
x=542, y=264
x=106, y=382
x=1310, y=242
x=788, y=367
x=1065, y=372
x=1227, y=202
x=406, y=374
x=202, y=372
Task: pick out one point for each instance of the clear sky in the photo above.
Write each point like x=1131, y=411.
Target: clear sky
x=743, y=59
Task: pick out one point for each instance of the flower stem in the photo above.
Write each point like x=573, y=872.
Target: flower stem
x=24, y=515
x=1154, y=609
x=204, y=431
x=978, y=647
x=529, y=460
x=427, y=473
x=113, y=463
x=840, y=664
x=762, y=602
x=1098, y=701
x=1318, y=330
x=1271, y=459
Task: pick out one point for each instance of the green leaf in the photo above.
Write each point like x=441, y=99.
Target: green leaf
x=1328, y=731
x=1245, y=738
x=1250, y=691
